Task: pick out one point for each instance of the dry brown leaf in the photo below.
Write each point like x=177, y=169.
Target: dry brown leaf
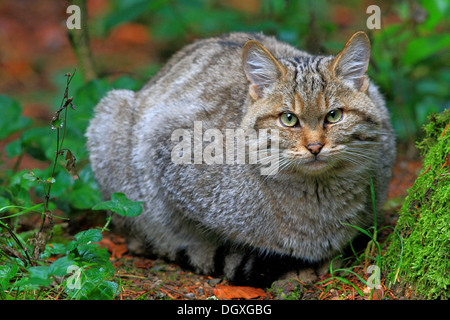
x=236, y=292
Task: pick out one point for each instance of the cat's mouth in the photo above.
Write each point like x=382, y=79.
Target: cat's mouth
x=308, y=163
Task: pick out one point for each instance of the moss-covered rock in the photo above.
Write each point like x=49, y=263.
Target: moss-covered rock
x=418, y=257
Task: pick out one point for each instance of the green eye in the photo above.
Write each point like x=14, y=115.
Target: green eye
x=288, y=119
x=334, y=116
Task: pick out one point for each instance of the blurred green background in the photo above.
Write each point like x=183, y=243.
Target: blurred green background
x=133, y=38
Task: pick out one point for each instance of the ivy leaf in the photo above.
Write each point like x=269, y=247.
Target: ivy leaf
x=121, y=205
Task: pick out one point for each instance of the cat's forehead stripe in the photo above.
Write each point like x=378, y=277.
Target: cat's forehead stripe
x=309, y=85
x=307, y=69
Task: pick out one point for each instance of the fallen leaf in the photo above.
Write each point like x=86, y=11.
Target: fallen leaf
x=143, y=263
x=115, y=249
x=235, y=292
x=373, y=294
x=377, y=294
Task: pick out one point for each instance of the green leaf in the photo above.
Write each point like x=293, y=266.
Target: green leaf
x=40, y=275
x=20, y=194
x=93, y=253
x=29, y=176
x=84, y=196
x=57, y=124
x=97, y=284
x=126, y=11
x=4, y=202
x=14, y=148
x=11, y=119
x=39, y=143
x=126, y=83
x=91, y=235
x=121, y=205
x=55, y=248
x=437, y=11
x=105, y=290
x=421, y=48
x=59, y=267
x=7, y=272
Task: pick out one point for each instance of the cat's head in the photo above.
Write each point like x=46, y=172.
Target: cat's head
x=321, y=106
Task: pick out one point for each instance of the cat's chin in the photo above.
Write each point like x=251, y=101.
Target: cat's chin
x=316, y=166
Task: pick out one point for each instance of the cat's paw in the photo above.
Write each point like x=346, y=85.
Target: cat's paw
x=136, y=247
x=307, y=275
x=312, y=274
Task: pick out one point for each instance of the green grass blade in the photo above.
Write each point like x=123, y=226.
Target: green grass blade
x=21, y=212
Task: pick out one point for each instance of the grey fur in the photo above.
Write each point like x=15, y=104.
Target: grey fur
x=198, y=208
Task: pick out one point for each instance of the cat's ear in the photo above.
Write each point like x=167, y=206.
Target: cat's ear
x=261, y=68
x=352, y=62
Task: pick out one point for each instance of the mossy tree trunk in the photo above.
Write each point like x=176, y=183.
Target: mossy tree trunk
x=417, y=260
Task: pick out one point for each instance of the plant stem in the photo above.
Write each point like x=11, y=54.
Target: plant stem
x=41, y=241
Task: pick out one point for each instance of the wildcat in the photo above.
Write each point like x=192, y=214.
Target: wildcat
x=334, y=136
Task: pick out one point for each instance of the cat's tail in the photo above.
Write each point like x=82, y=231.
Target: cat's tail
x=109, y=142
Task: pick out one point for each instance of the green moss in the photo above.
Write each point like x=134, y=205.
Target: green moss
x=418, y=256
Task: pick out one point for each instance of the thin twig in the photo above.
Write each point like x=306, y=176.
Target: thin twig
x=40, y=239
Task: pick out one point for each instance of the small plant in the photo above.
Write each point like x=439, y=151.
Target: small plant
x=121, y=205
x=365, y=262
x=32, y=267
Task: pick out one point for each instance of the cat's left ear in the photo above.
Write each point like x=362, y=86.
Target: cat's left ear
x=352, y=62
x=261, y=68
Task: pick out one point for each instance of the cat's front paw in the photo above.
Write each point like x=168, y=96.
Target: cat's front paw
x=306, y=276
x=310, y=275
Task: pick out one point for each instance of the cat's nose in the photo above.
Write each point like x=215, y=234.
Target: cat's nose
x=314, y=147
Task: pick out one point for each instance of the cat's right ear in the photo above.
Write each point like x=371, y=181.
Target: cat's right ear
x=261, y=68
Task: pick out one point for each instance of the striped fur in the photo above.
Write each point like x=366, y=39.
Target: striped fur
x=228, y=219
